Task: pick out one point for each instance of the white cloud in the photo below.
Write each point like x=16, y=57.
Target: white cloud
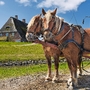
x=25, y=2
x=62, y=5
x=2, y=3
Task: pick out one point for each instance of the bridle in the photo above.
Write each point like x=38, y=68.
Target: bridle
x=60, y=29
x=54, y=23
x=39, y=23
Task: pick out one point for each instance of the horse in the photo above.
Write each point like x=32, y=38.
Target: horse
x=34, y=30
x=73, y=41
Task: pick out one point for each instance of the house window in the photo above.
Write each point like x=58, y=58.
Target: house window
x=7, y=34
x=0, y=34
x=7, y=28
x=12, y=34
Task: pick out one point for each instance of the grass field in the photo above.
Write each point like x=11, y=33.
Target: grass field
x=11, y=51
x=6, y=72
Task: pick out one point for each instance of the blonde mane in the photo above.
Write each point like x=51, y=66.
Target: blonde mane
x=31, y=22
x=59, y=21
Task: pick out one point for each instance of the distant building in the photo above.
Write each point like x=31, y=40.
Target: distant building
x=14, y=29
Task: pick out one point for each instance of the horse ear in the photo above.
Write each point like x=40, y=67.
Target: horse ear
x=40, y=15
x=43, y=11
x=54, y=12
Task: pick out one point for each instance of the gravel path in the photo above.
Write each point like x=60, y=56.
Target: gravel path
x=36, y=82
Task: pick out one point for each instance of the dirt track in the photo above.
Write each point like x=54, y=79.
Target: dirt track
x=36, y=82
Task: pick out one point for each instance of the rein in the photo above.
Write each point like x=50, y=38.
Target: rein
x=64, y=44
x=66, y=34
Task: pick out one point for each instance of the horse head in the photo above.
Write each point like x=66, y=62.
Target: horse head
x=34, y=28
x=51, y=24
x=48, y=19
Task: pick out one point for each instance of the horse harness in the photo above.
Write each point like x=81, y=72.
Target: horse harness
x=65, y=43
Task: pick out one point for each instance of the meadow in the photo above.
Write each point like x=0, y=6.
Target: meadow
x=7, y=72
x=20, y=51
x=14, y=51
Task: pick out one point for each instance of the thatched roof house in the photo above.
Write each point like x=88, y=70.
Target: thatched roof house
x=14, y=29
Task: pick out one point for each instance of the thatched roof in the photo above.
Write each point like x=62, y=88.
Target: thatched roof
x=15, y=25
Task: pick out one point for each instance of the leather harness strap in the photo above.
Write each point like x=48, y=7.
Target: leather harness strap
x=80, y=46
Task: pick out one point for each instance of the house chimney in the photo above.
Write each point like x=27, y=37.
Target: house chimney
x=23, y=20
x=16, y=16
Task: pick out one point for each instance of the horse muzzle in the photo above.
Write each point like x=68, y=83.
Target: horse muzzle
x=31, y=37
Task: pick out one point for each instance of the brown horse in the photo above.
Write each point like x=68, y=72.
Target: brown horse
x=34, y=29
x=73, y=41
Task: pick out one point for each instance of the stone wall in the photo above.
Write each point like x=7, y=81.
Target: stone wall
x=31, y=62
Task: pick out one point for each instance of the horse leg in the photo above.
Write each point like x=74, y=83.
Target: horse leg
x=48, y=77
x=79, y=70
x=56, y=64
x=72, y=81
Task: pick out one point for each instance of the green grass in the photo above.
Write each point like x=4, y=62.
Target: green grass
x=6, y=72
x=11, y=51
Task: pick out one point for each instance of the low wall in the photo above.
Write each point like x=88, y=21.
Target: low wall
x=30, y=62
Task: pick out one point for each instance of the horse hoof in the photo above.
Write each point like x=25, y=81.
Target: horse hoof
x=70, y=88
x=55, y=80
x=80, y=74
x=48, y=79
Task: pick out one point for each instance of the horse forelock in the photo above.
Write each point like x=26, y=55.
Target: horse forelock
x=31, y=22
x=48, y=16
x=58, y=20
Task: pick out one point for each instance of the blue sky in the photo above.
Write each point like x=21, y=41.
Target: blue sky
x=73, y=11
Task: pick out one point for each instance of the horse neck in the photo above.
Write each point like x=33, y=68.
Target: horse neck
x=68, y=32
x=58, y=24
x=63, y=34
x=46, y=44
